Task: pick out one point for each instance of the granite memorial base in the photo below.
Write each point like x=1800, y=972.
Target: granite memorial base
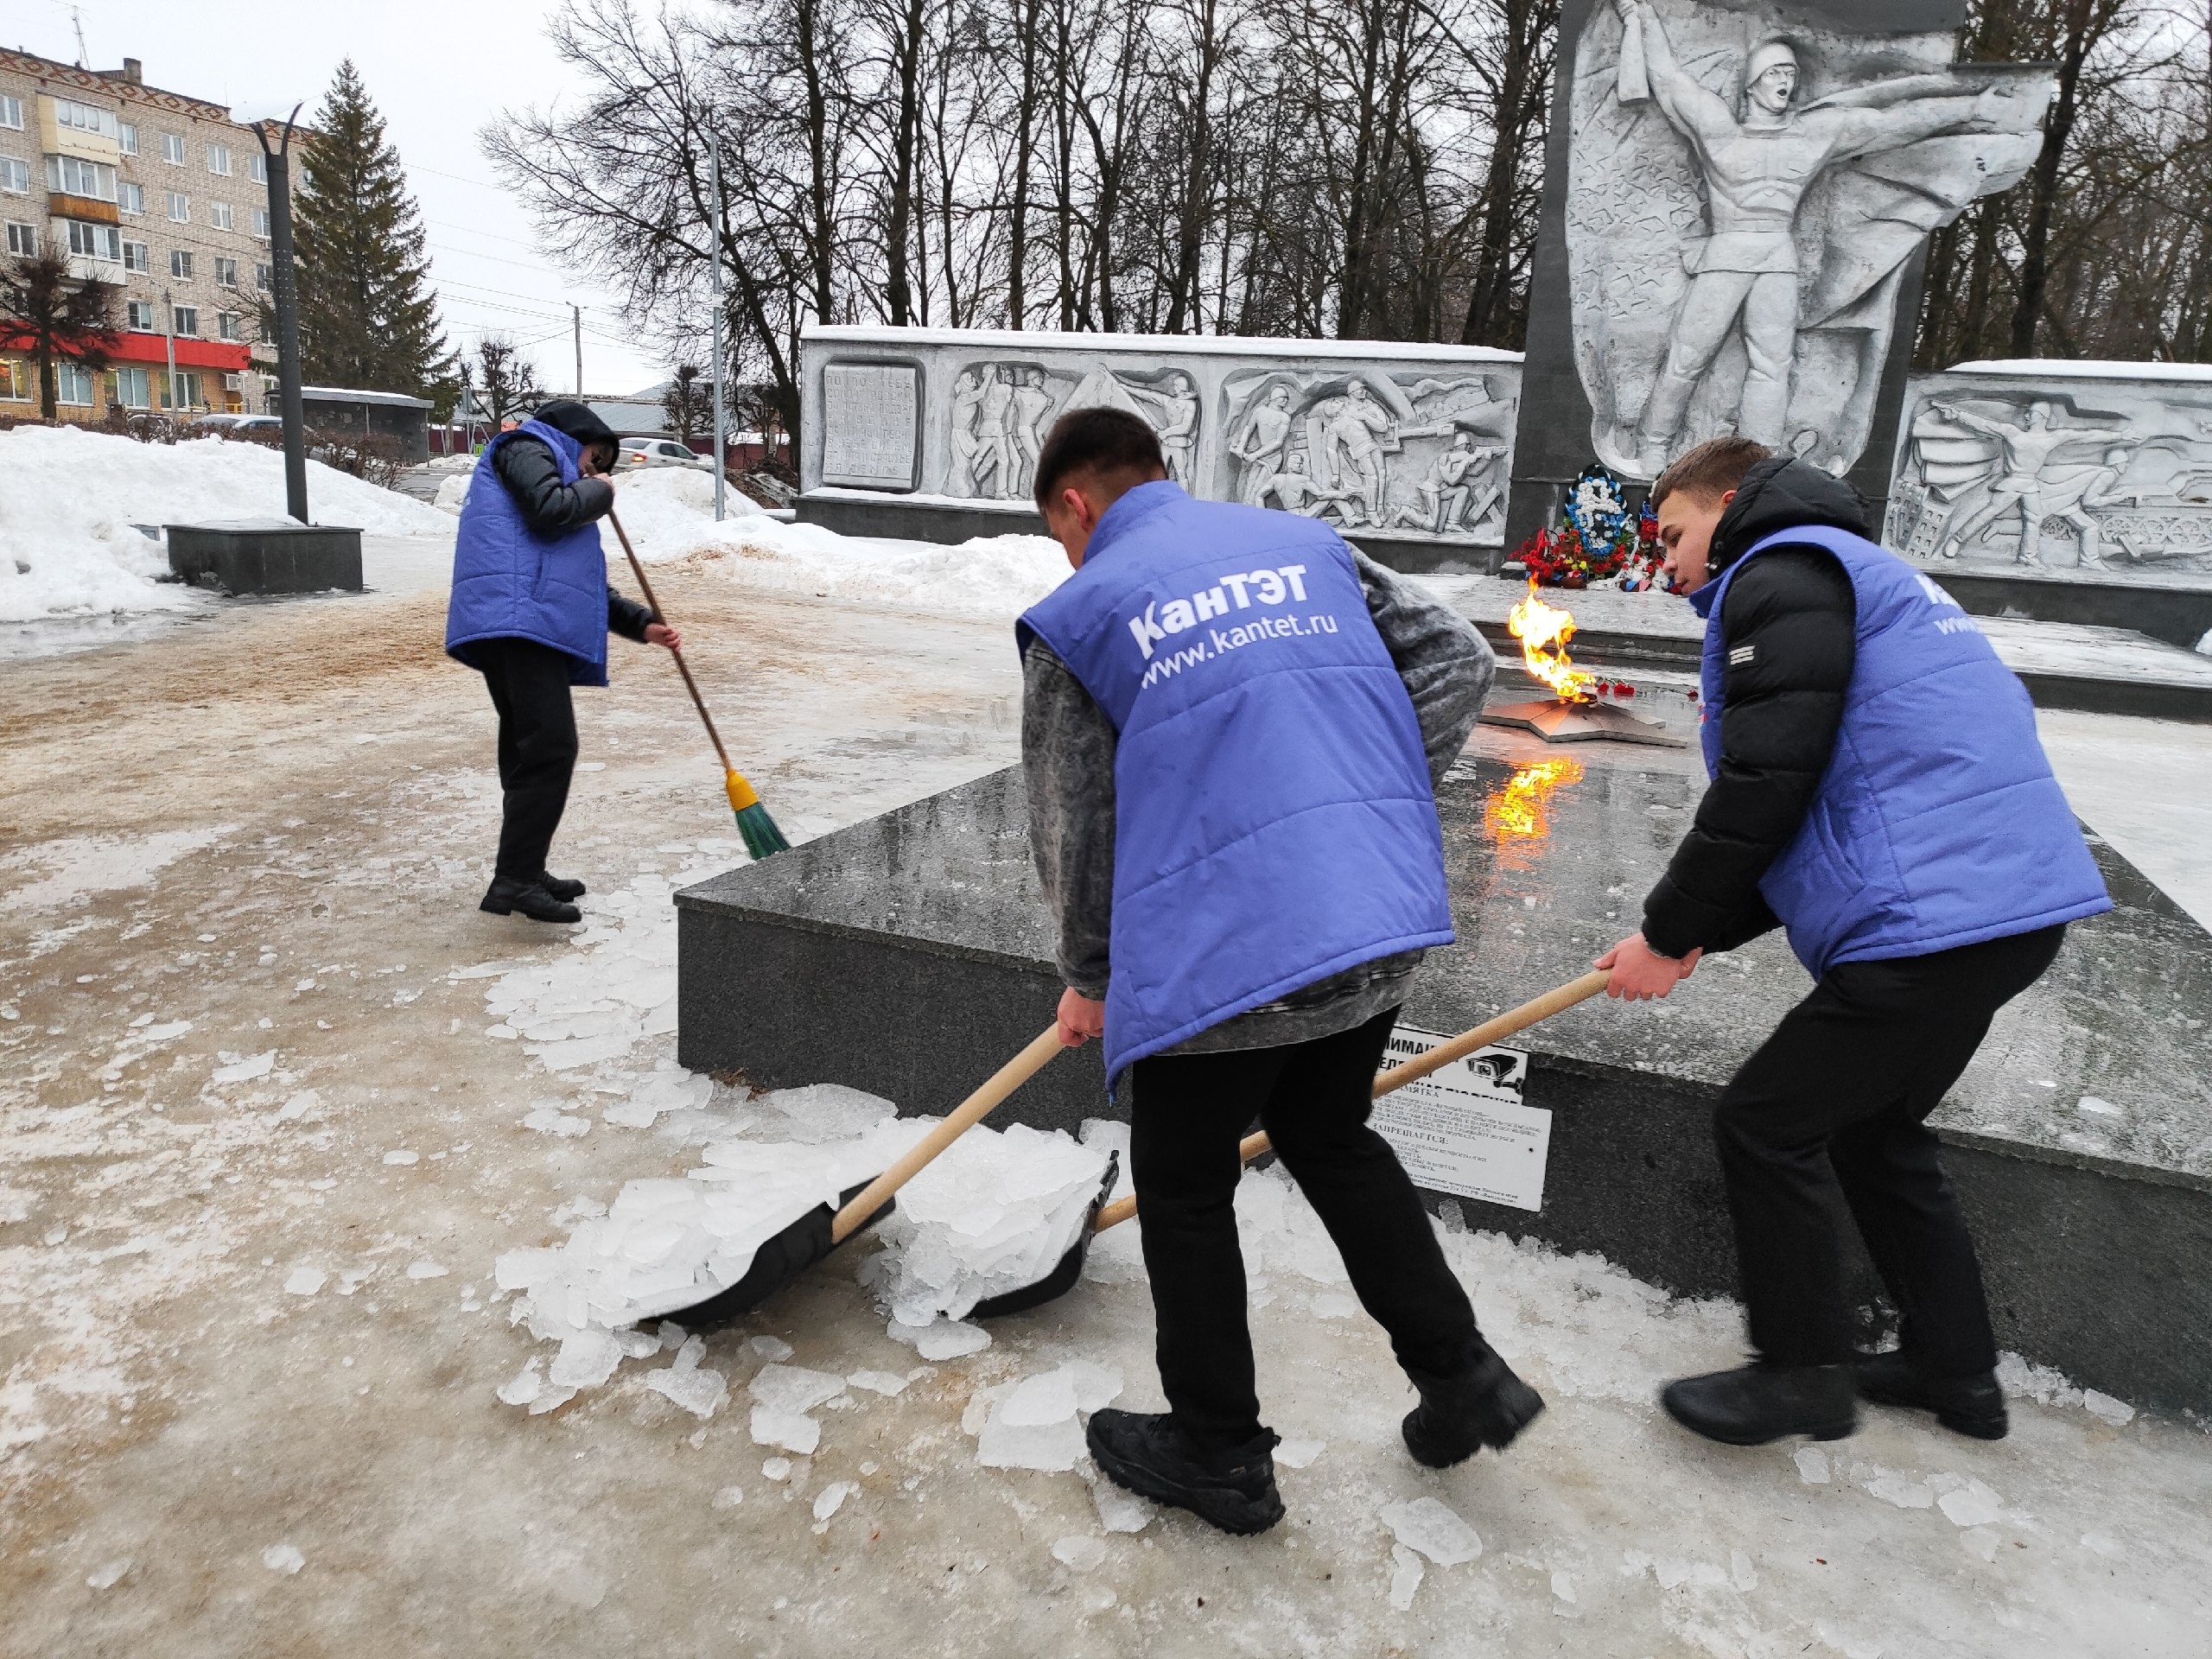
x=910, y=956
x=266, y=555
x=1561, y=719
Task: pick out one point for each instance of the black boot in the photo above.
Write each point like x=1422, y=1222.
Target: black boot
x=1145, y=1451
x=1485, y=1405
x=1966, y=1405
x=507, y=895
x=1762, y=1402
x=560, y=886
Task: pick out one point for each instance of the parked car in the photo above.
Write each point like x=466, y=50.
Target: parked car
x=663, y=452
x=212, y=426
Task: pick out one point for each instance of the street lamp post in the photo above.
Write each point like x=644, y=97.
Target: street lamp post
x=714, y=233
x=286, y=299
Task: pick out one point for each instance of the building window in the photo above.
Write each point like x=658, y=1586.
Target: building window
x=218, y=160
x=11, y=113
x=72, y=177
x=185, y=389
x=133, y=388
x=173, y=149
x=22, y=239
x=72, y=384
x=130, y=198
x=84, y=118
x=137, y=257
x=261, y=223
x=260, y=168
x=139, y=315
x=185, y=320
x=264, y=278
x=14, y=176
x=226, y=325
x=180, y=263
x=180, y=209
x=13, y=379
x=126, y=137
x=219, y=215
x=102, y=242
x=226, y=272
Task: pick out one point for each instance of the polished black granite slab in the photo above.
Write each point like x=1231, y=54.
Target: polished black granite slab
x=266, y=555
x=911, y=954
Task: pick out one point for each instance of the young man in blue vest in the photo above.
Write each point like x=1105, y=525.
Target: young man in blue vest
x=1878, y=790
x=530, y=612
x=1232, y=727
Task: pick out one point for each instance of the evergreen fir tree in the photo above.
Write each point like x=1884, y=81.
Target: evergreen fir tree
x=367, y=317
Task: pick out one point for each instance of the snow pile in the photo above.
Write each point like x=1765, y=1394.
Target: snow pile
x=669, y=513
x=67, y=541
x=996, y=1212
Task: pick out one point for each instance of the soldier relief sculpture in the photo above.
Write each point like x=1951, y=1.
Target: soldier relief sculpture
x=1742, y=203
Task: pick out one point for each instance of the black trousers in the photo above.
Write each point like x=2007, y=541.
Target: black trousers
x=1188, y=1113
x=529, y=684
x=1838, y=1097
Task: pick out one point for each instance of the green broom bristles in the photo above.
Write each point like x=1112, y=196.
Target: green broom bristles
x=761, y=836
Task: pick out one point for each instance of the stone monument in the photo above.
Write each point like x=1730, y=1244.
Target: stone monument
x=935, y=434
x=1737, y=196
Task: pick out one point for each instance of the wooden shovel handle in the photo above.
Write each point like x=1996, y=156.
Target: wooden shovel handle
x=970, y=1111
x=683, y=668
x=1467, y=1042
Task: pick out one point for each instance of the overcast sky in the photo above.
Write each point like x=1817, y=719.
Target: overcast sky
x=439, y=72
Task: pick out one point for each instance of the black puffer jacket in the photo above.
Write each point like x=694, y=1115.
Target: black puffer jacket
x=1788, y=625
x=532, y=477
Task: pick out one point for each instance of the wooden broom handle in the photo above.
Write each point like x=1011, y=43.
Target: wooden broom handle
x=659, y=615
x=1008, y=1078
x=1553, y=1001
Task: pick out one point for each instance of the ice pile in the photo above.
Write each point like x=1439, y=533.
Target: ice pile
x=1032, y=1422
x=67, y=518
x=598, y=1000
x=996, y=1212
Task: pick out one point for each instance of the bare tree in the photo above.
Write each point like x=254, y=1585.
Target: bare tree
x=688, y=403
x=505, y=381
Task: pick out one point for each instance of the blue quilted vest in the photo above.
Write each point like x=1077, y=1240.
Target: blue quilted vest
x=509, y=583
x=1938, y=823
x=1275, y=823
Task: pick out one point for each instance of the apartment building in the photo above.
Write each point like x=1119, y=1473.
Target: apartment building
x=162, y=195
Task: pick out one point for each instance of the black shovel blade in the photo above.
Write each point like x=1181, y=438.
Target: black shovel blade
x=780, y=1259
x=1061, y=1280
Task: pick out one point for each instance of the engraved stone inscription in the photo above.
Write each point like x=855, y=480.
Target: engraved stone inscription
x=869, y=424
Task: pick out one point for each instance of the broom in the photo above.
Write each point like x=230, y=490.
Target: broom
x=761, y=836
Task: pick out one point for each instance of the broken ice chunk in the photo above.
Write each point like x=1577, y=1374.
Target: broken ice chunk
x=305, y=1281
x=1034, y=1427
x=246, y=1070
x=885, y=1383
x=697, y=1391
x=793, y=1431
x=795, y=1389
x=1096, y=1386
x=1295, y=1453
x=1406, y=1574
x=403, y=1157
x=297, y=1107
x=1893, y=1488
x=770, y=1350
x=521, y=1269
x=524, y=1385
x=941, y=1339
x=777, y=1468
x=831, y=1498
x=1563, y=1588
x=687, y=1356
x=1971, y=1505
x=1434, y=1529
x=586, y=1360
x=636, y=1344
x=1120, y=1510
x=2103, y=1406
x=729, y=1497
x=102, y=1577
x=282, y=1558
x=425, y=1270
x=1080, y=1553
x=1812, y=1465
x=550, y=1400
x=552, y=1120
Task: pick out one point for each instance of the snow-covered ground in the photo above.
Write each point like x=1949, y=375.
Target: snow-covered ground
x=70, y=500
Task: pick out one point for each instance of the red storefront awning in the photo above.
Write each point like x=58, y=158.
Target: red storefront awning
x=135, y=347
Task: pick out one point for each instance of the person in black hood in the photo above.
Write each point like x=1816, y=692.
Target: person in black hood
x=1879, y=789
x=532, y=610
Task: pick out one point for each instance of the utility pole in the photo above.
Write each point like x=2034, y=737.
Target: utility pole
x=285, y=297
x=577, y=312
x=168, y=336
x=714, y=230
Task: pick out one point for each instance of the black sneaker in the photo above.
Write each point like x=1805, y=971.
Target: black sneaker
x=505, y=896
x=560, y=886
x=1966, y=1405
x=1485, y=1406
x=1762, y=1402
x=1145, y=1451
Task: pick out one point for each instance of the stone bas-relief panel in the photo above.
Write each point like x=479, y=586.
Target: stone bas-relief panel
x=872, y=434
x=2018, y=472
x=1743, y=197
x=1409, y=442
x=1422, y=453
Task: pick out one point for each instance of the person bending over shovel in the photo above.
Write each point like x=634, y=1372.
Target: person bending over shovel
x=1232, y=725
x=1877, y=789
x=530, y=612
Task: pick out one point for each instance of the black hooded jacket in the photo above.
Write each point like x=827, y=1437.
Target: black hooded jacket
x=532, y=474
x=1788, y=625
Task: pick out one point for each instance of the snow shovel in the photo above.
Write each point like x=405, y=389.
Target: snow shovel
x=761, y=836
x=786, y=1254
